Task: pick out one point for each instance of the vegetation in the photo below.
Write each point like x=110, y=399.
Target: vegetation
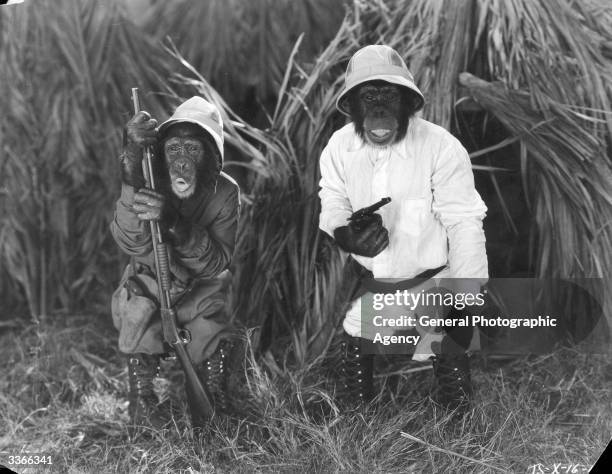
x=63, y=393
x=524, y=85
x=69, y=68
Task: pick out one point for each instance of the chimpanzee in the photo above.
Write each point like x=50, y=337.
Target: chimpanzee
x=431, y=228
x=381, y=111
x=197, y=206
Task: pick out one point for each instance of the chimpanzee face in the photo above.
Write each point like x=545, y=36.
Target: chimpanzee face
x=381, y=110
x=191, y=159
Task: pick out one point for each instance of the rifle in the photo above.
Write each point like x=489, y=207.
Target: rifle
x=360, y=218
x=176, y=338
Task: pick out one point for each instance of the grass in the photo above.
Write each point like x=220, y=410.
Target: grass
x=63, y=392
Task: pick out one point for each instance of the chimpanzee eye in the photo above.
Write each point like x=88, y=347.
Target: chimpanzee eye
x=391, y=95
x=173, y=149
x=193, y=149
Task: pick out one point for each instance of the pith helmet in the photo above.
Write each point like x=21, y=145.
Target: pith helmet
x=201, y=112
x=376, y=62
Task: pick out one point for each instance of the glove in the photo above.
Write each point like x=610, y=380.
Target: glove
x=178, y=232
x=180, y=235
x=367, y=241
x=139, y=133
x=149, y=205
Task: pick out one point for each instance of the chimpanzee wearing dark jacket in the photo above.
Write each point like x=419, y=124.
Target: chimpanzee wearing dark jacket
x=197, y=206
x=189, y=166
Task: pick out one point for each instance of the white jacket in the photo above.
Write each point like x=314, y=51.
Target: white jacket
x=435, y=216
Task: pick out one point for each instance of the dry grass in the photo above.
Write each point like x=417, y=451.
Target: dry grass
x=64, y=393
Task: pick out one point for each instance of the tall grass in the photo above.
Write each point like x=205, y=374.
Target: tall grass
x=67, y=70
x=242, y=46
x=65, y=395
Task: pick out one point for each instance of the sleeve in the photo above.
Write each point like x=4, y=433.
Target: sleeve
x=131, y=234
x=335, y=205
x=460, y=209
x=213, y=247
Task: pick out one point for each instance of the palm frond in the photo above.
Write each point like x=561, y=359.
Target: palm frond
x=61, y=140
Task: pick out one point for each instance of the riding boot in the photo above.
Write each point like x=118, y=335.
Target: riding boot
x=453, y=385
x=143, y=408
x=214, y=375
x=356, y=373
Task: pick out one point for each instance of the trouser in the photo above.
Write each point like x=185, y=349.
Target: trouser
x=200, y=308
x=359, y=319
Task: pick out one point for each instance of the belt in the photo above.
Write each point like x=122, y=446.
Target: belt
x=375, y=286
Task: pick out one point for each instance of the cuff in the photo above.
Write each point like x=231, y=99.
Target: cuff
x=127, y=194
x=329, y=222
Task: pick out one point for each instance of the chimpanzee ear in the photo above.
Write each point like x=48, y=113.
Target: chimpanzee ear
x=345, y=104
x=415, y=102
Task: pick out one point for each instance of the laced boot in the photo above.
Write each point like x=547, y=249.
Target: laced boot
x=143, y=408
x=214, y=375
x=453, y=385
x=356, y=372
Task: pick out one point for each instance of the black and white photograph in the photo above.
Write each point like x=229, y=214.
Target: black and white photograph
x=306, y=236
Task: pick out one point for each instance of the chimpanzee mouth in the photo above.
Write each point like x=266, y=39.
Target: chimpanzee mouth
x=181, y=184
x=181, y=187
x=381, y=132
x=380, y=136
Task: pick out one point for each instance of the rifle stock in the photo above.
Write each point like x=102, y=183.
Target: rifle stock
x=177, y=339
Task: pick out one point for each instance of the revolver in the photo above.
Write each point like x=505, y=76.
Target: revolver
x=360, y=218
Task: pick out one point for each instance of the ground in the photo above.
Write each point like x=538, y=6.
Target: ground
x=63, y=394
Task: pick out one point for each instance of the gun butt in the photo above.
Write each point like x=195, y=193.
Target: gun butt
x=199, y=402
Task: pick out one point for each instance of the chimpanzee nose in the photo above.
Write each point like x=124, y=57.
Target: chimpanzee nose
x=378, y=112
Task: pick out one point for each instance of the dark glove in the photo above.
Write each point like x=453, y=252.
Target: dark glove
x=149, y=205
x=368, y=240
x=179, y=232
x=180, y=235
x=139, y=133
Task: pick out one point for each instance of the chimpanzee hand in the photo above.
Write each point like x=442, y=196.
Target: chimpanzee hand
x=367, y=241
x=149, y=205
x=183, y=236
x=139, y=132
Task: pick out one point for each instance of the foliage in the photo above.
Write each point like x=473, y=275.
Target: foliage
x=242, y=46
x=65, y=395
x=60, y=142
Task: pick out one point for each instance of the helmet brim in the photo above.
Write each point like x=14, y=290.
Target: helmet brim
x=392, y=78
x=205, y=127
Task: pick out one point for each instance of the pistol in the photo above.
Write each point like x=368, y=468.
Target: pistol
x=361, y=217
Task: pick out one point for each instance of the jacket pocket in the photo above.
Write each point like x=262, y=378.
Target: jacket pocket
x=132, y=309
x=413, y=214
